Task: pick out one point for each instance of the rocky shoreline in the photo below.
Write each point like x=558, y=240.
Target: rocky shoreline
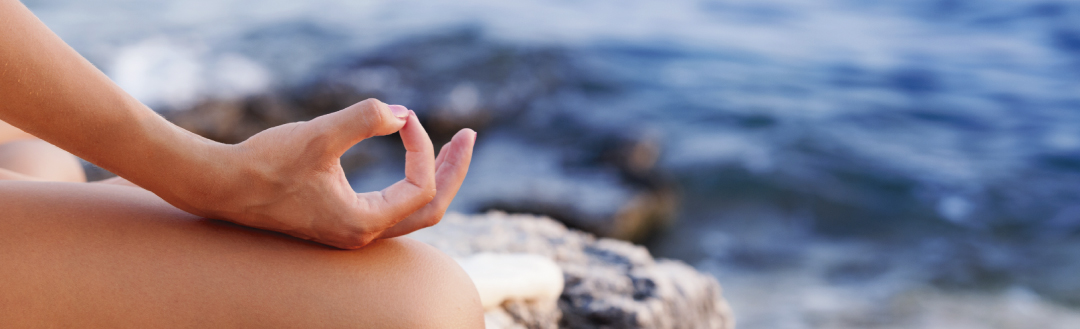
x=532, y=155
x=608, y=283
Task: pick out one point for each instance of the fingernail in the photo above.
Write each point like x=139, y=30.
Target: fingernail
x=399, y=111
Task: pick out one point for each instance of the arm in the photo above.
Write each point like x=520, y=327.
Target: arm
x=287, y=178
x=50, y=91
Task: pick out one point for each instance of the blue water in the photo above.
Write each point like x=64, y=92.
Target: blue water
x=943, y=136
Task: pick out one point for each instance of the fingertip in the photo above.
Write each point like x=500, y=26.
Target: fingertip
x=462, y=147
x=409, y=117
x=472, y=140
x=388, y=121
x=376, y=118
x=400, y=111
x=466, y=133
x=413, y=126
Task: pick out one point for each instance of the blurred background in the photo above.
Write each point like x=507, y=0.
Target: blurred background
x=833, y=163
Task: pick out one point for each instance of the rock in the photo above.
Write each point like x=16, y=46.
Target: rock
x=599, y=179
x=471, y=82
x=500, y=277
x=608, y=283
x=233, y=120
x=514, y=314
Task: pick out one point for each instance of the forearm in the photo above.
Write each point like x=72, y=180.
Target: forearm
x=288, y=178
x=52, y=92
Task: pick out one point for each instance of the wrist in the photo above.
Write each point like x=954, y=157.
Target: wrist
x=225, y=183
x=189, y=171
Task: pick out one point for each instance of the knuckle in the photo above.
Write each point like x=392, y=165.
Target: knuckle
x=373, y=112
x=434, y=219
x=427, y=189
x=354, y=242
x=369, y=105
x=353, y=235
x=365, y=240
x=429, y=194
x=349, y=246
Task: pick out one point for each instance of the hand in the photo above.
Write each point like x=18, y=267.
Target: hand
x=289, y=179
x=450, y=169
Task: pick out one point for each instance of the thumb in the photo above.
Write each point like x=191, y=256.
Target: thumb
x=345, y=128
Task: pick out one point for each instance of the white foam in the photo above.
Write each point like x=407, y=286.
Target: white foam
x=159, y=73
x=167, y=74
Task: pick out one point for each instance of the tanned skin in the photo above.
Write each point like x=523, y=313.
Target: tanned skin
x=151, y=248
x=287, y=179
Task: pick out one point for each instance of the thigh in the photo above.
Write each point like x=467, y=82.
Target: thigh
x=9, y=133
x=37, y=158
x=92, y=255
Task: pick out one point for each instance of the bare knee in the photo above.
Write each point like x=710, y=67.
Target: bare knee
x=426, y=288
x=236, y=277
x=444, y=297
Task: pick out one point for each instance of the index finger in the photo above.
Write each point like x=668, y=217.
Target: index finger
x=418, y=188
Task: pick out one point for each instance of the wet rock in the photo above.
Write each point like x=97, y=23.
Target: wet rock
x=455, y=80
x=601, y=180
x=608, y=283
x=233, y=120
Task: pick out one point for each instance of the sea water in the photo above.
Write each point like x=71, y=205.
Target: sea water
x=862, y=164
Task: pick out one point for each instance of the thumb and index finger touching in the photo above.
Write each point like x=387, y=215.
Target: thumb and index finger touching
x=371, y=118
x=361, y=121
x=418, y=188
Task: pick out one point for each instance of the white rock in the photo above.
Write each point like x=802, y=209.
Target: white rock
x=605, y=283
x=513, y=276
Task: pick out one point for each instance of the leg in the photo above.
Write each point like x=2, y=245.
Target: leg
x=10, y=133
x=92, y=255
x=24, y=154
x=41, y=160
